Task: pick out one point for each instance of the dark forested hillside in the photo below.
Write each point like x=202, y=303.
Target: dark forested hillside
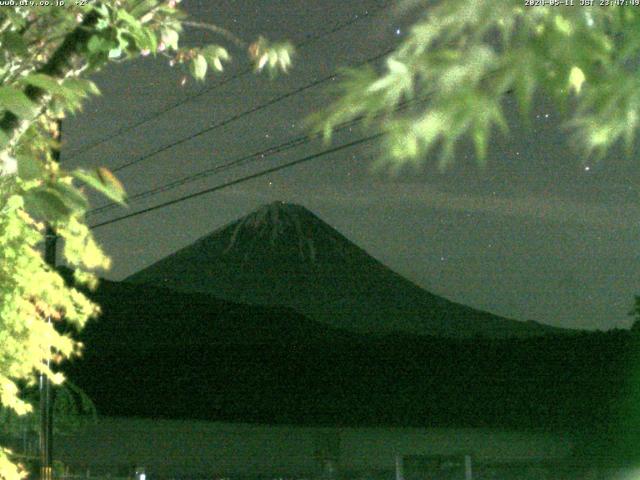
x=188, y=355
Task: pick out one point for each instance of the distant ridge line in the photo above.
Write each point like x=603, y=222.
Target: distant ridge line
x=283, y=254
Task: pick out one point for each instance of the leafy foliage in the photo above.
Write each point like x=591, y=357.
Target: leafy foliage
x=271, y=55
x=72, y=409
x=44, y=54
x=459, y=61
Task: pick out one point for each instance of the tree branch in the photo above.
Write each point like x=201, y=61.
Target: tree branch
x=219, y=31
x=58, y=66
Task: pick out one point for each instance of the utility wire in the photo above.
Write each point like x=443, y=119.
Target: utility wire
x=282, y=147
x=311, y=39
x=240, y=115
x=288, y=145
x=241, y=180
x=205, y=173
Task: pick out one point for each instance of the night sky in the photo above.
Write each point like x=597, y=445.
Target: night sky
x=538, y=234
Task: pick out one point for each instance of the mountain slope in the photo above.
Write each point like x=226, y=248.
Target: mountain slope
x=147, y=317
x=282, y=254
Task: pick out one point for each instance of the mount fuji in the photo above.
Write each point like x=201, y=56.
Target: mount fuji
x=284, y=255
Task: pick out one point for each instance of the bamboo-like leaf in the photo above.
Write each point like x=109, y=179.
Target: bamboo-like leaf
x=73, y=198
x=480, y=138
x=102, y=180
x=87, y=87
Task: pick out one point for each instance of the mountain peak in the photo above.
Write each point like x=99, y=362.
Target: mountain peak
x=275, y=212
x=278, y=224
x=283, y=254
x=281, y=205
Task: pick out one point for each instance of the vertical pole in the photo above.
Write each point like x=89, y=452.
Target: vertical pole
x=468, y=475
x=399, y=467
x=46, y=410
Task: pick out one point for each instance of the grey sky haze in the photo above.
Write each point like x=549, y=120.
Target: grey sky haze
x=537, y=234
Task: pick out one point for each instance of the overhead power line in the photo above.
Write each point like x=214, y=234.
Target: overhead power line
x=282, y=147
x=241, y=180
x=289, y=144
x=240, y=115
x=307, y=41
x=261, y=154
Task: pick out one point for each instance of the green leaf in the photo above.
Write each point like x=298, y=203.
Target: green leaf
x=144, y=38
x=102, y=24
x=4, y=139
x=170, y=38
x=14, y=43
x=199, y=67
x=215, y=51
x=74, y=90
x=98, y=44
x=17, y=102
x=82, y=85
x=102, y=9
x=73, y=198
x=150, y=40
x=576, y=79
x=46, y=203
x=45, y=82
x=215, y=55
x=115, y=52
x=480, y=137
x=29, y=167
x=123, y=41
x=142, y=7
x=563, y=25
x=274, y=56
x=128, y=18
x=525, y=85
x=102, y=180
